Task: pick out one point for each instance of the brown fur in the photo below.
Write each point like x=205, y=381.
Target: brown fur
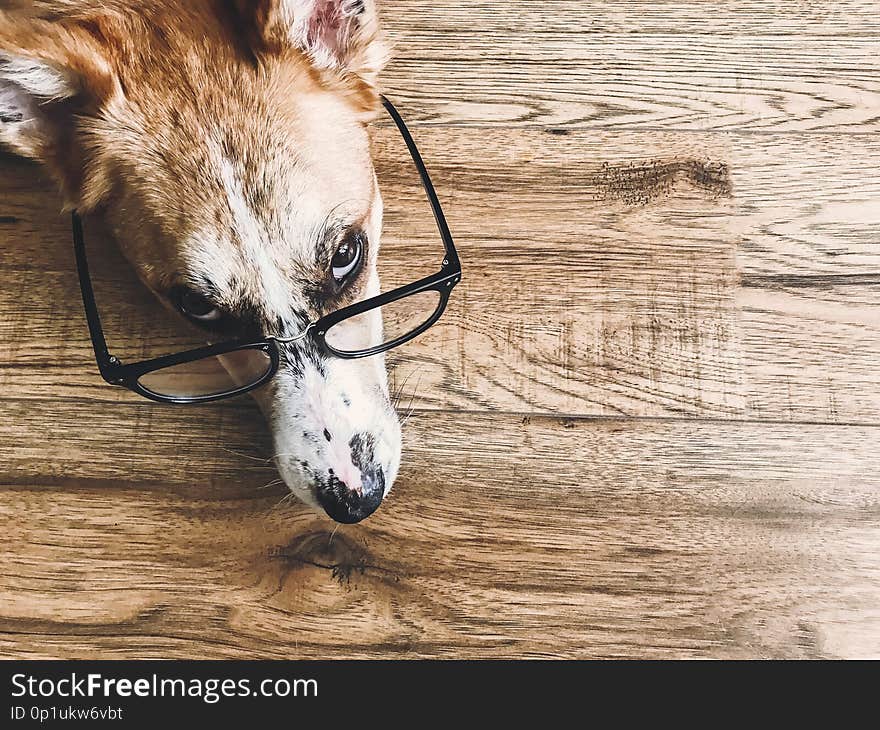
x=155, y=78
x=156, y=54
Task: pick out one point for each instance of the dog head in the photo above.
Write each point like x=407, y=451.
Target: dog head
x=225, y=144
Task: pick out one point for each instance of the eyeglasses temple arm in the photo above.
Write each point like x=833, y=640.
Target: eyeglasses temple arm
x=426, y=179
x=105, y=360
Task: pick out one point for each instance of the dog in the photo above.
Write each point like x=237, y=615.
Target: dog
x=225, y=145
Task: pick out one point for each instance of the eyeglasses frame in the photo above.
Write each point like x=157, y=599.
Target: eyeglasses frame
x=115, y=372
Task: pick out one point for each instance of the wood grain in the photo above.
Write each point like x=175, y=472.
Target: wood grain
x=646, y=427
x=546, y=537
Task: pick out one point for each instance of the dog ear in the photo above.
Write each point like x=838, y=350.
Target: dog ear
x=53, y=77
x=341, y=35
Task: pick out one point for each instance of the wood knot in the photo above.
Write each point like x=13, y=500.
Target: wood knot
x=332, y=551
x=641, y=182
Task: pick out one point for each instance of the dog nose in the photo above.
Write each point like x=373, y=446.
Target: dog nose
x=347, y=505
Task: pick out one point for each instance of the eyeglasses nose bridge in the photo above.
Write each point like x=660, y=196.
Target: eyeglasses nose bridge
x=295, y=338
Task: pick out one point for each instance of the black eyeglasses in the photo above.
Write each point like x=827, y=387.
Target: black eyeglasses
x=231, y=368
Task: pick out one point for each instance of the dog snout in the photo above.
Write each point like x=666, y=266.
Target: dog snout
x=350, y=503
x=337, y=440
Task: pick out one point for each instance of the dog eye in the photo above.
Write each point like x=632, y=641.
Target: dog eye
x=197, y=307
x=347, y=257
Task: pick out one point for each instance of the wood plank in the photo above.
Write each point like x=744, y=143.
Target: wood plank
x=547, y=537
x=719, y=17
x=647, y=274
x=66, y=441
x=641, y=94
x=668, y=66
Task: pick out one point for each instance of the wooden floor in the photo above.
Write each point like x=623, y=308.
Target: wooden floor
x=648, y=426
